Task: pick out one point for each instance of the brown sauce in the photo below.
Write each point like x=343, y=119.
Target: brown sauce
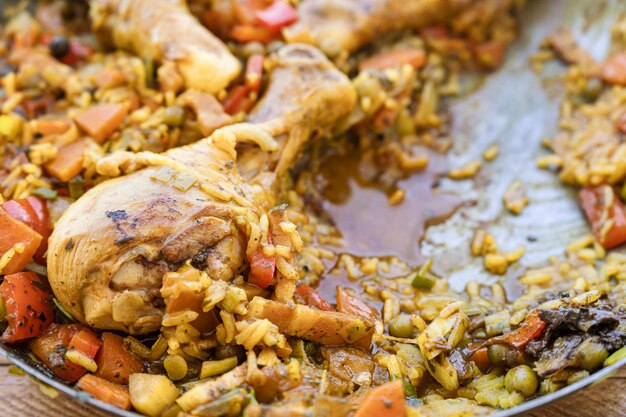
x=360, y=210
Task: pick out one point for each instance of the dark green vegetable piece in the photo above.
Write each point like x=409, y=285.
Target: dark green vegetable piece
x=45, y=193
x=76, y=187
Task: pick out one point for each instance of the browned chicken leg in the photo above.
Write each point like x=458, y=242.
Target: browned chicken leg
x=165, y=31
x=338, y=25
x=110, y=250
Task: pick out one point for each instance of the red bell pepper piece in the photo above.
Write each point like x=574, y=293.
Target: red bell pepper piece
x=531, y=328
x=278, y=15
x=312, y=298
x=254, y=72
x=262, y=268
x=606, y=213
x=28, y=303
x=51, y=347
x=350, y=304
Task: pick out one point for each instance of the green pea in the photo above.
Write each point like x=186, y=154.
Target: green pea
x=591, y=355
x=401, y=326
x=522, y=379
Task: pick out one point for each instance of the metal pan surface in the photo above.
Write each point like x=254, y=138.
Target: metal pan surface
x=515, y=108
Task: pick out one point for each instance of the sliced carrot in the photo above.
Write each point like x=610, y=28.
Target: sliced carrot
x=68, y=162
x=614, y=70
x=384, y=401
x=416, y=57
x=51, y=126
x=101, y=120
x=14, y=232
x=105, y=391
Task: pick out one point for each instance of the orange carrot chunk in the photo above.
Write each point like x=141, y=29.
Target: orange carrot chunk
x=50, y=126
x=105, y=391
x=68, y=162
x=101, y=120
x=384, y=401
x=415, y=57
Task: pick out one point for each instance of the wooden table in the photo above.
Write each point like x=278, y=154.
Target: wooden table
x=21, y=397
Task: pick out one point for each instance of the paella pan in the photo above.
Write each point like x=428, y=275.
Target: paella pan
x=313, y=208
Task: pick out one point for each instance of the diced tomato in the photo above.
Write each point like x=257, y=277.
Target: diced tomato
x=238, y=101
x=28, y=303
x=51, y=346
x=530, y=329
x=262, y=269
x=350, y=304
x=78, y=52
x=312, y=298
x=34, y=212
x=115, y=362
x=614, y=70
x=101, y=120
x=251, y=33
x=87, y=342
x=105, y=391
x=416, y=57
x=384, y=401
x=605, y=211
x=254, y=72
x=14, y=232
x=278, y=15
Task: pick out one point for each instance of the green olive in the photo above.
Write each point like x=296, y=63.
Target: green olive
x=522, y=379
x=591, y=355
x=401, y=326
x=504, y=355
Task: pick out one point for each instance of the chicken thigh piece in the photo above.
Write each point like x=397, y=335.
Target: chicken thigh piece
x=338, y=25
x=165, y=31
x=111, y=248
